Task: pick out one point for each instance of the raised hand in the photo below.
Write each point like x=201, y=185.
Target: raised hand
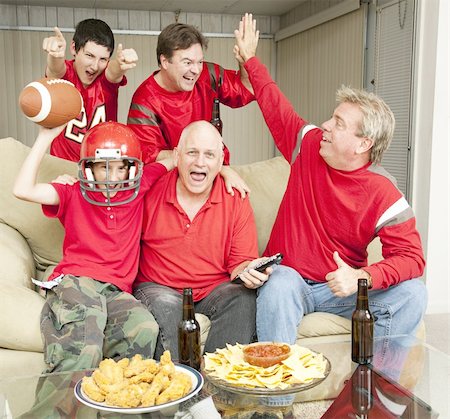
x=246, y=38
x=127, y=58
x=55, y=45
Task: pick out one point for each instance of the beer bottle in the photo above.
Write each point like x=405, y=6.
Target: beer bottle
x=362, y=391
x=362, y=327
x=215, y=120
x=189, y=351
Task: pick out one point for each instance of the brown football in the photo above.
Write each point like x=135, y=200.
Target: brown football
x=50, y=102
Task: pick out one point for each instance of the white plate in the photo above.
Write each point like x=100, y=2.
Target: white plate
x=197, y=384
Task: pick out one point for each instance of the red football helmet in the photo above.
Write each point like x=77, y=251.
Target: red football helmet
x=110, y=141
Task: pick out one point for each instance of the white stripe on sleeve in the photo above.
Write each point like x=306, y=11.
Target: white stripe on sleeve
x=395, y=209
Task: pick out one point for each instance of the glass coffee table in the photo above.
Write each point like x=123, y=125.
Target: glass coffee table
x=413, y=364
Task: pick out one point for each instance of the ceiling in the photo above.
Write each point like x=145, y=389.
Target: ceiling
x=257, y=7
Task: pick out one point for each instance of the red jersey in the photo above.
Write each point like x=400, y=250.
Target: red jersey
x=326, y=210
x=101, y=242
x=100, y=101
x=158, y=116
x=202, y=253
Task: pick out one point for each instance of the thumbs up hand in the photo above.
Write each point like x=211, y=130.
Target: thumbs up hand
x=344, y=280
x=127, y=58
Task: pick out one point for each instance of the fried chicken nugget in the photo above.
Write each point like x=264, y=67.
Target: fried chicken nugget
x=123, y=363
x=135, y=367
x=111, y=370
x=166, y=363
x=179, y=386
x=109, y=376
x=160, y=382
x=92, y=390
x=151, y=365
x=103, y=383
x=143, y=377
x=129, y=396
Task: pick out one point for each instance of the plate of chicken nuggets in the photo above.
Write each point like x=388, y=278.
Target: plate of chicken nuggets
x=138, y=385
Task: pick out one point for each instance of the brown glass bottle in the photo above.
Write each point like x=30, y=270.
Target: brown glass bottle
x=362, y=327
x=189, y=350
x=215, y=119
x=362, y=391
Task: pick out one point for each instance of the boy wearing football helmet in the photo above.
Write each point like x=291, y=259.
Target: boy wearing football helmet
x=89, y=312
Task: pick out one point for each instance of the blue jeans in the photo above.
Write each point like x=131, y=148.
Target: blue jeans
x=230, y=308
x=286, y=297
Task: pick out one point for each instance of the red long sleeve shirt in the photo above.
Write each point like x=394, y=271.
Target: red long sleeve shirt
x=326, y=210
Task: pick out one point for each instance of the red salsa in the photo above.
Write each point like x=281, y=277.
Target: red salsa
x=264, y=351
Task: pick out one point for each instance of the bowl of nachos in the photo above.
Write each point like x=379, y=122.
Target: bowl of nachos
x=302, y=369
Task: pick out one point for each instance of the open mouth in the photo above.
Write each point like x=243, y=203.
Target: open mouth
x=190, y=79
x=198, y=176
x=91, y=75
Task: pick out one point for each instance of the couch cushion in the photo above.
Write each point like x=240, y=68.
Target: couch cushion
x=205, y=325
x=16, y=259
x=21, y=363
x=43, y=234
x=20, y=319
x=267, y=181
x=323, y=324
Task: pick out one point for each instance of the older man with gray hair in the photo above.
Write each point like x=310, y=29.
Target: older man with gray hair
x=197, y=235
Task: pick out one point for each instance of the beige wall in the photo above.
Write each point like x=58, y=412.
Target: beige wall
x=313, y=64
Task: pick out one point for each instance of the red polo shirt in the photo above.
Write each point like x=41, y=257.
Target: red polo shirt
x=201, y=253
x=101, y=242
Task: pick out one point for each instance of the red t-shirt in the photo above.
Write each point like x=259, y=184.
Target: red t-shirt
x=158, y=116
x=326, y=210
x=101, y=242
x=99, y=105
x=201, y=253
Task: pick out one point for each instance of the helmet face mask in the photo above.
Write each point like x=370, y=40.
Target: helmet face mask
x=107, y=143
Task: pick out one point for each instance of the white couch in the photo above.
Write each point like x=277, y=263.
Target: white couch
x=30, y=246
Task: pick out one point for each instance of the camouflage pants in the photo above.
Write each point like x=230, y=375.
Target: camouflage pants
x=84, y=321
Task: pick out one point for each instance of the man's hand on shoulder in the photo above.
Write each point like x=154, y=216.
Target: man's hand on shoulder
x=168, y=162
x=65, y=179
x=234, y=181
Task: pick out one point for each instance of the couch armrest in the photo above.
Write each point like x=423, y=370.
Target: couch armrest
x=20, y=319
x=16, y=259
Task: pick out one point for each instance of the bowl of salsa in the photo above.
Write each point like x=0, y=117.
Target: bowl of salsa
x=266, y=354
